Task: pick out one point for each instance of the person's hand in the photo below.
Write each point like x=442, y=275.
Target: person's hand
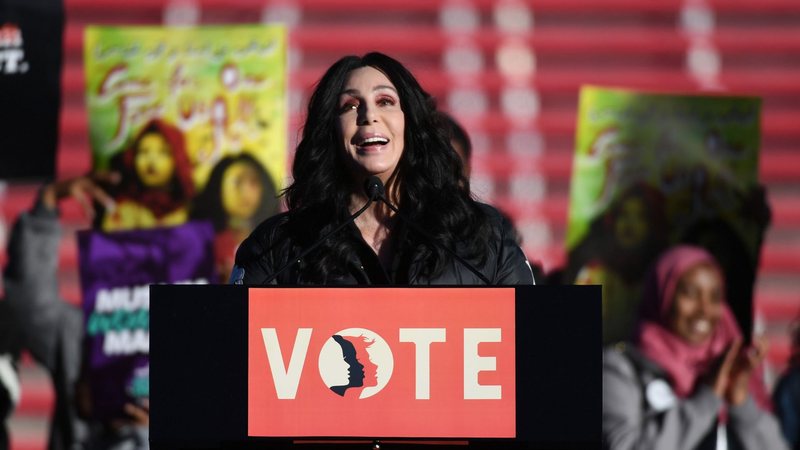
x=139, y=414
x=85, y=190
x=720, y=379
x=747, y=361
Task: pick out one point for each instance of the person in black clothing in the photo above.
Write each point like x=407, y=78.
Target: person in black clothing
x=459, y=139
x=462, y=144
x=786, y=397
x=369, y=117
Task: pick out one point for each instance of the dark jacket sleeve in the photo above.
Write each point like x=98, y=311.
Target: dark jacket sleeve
x=252, y=263
x=786, y=399
x=512, y=264
x=255, y=259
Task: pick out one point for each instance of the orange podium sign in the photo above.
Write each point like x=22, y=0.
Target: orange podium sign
x=432, y=362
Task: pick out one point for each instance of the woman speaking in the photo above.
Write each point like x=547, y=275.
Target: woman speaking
x=369, y=120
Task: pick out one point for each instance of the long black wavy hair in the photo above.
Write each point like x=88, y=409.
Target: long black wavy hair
x=433, y=190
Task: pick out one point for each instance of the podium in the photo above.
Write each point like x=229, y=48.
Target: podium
x=352, y=367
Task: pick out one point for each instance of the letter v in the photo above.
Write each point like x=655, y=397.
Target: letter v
x=286, y=381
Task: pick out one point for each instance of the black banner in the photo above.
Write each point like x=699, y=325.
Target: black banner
x=31, y=35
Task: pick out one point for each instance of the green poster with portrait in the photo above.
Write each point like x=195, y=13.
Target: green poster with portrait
x=194, y=120
x=654, y=170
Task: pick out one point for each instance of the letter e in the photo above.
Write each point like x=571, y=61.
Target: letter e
x=474, y=363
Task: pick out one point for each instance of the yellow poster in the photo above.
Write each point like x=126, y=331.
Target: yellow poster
x=194, y=121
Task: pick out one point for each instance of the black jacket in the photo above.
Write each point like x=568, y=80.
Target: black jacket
x=270, y=247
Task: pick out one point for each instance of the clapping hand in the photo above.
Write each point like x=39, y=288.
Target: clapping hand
x=732, y=377
x=747, y=361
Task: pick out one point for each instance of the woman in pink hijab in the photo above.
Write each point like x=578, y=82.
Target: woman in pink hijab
x=686, y=382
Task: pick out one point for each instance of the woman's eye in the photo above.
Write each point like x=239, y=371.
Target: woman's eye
x=693, y=292
x=385, y=101
x=348, y=106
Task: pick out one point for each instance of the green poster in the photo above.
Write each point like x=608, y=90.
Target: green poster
x=654, y=170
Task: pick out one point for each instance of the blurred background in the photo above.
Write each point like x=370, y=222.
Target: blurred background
x=510, y=71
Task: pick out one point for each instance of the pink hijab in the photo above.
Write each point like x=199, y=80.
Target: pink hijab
x=683, y=362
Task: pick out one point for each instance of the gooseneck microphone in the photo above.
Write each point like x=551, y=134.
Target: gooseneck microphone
x=374, y=191
x=374, y=186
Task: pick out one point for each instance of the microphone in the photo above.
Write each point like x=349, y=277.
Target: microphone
x=374, y=190
x=374, y=185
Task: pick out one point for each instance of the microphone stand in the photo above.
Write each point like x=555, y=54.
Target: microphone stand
x=318, y=243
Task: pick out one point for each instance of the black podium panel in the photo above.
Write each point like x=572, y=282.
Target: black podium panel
x=199, y=372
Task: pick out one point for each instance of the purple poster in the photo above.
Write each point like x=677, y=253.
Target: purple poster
x=116, y=271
